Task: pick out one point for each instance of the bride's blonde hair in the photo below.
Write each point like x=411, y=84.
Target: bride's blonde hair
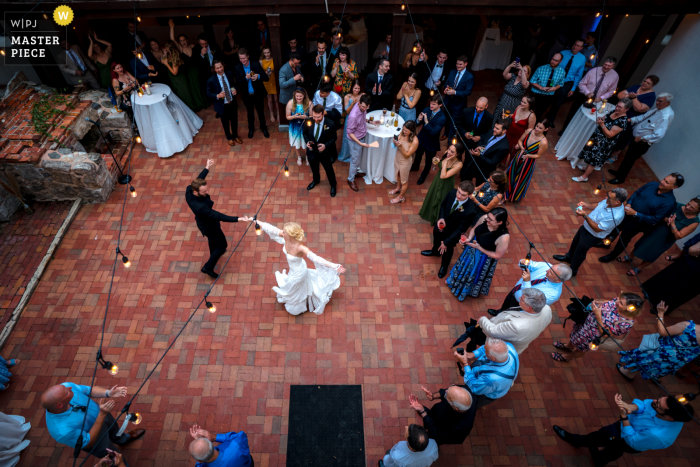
x=295, y=231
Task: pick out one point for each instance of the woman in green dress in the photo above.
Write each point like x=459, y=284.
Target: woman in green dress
x=681, y=223
x=449, y=165
x=100, y=52
x=185, y=88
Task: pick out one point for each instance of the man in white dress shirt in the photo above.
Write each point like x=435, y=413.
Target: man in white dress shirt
x=522, y=324
x=331, y=102
x=596, y=226
x=542, y=276
x=648, y=129
x=417, y=451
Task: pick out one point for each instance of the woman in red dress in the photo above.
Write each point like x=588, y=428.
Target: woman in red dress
x=522, y=119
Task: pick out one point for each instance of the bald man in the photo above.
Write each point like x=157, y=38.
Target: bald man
x=66, y=405
x=476, y=122
x=232, y=451
x=451, y=420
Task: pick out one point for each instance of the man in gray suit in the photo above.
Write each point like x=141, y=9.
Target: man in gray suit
x=290, y=77
x=75, y=66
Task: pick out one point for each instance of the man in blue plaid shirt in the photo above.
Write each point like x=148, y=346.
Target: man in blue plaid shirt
x=544, y=82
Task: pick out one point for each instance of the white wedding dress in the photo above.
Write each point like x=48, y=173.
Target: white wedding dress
x=303, y=288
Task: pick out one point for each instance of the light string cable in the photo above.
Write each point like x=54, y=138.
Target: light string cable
x=323, y=72
x=512, y=218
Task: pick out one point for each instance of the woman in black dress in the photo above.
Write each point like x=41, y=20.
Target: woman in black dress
x=415, y=60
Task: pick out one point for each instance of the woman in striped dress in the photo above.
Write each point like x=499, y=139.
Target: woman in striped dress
x=532, y=145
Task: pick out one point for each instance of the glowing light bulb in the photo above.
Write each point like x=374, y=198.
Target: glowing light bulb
x=139, y=55
x=627, y=15
x=631, y=307
x=432, y=92
x=607, y=241
x=326, y=78
x=258, y=229
x=592, y=346
x=308, y=123
x=114, y=370
x=286, y=171
x=138, y=139
x=647, y=41
x=45, y=17
x=597, y=14
x=2, y=51
x=403, y=6
x=133, y=191
x=188, y=17
x=597, y=190
x=127, y=263
x=415, y=49
x=454, y=140
x=481, y=194
x=590, y=101
x=592, y=56
x=589, y=143
x=682, y=400
x=136, y=418
x=138, y=18
x=211, y=307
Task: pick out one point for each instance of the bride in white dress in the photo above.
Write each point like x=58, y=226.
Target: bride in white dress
x=302, y=288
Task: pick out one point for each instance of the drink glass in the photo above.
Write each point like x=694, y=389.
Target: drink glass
x=436, y=161
x=383, y=111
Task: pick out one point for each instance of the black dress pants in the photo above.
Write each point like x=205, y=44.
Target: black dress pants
x=634, y=152
x=582, y=242
x=542, y=103
x=509, y=302
x=629, y=228
x=610, y=439
x=438, y=237
x=229, y=120
x=418, y=157
x=559, y=98
x=217, y=247
x=104, y=442
x=315, y=161
x=471, y=170
x=255, y=103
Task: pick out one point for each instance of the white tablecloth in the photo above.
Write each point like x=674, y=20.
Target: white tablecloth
x=166, y=125
x=577, y=134
x=378, y=163
x=493, y=52
x=358, y=52
x=408, y=38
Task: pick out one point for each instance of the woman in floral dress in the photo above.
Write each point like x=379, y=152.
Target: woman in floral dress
x=344, y=72
x=616, y=316
x=677, y=346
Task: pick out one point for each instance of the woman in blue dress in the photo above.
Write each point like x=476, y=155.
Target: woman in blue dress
x=297, y=113
x=349, y=102
x=409, y=96
x=485, y=244
x=664, y=353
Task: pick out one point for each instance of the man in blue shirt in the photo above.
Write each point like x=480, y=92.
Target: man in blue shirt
x=646, y=208
x=66, y=405
x=545, y=81
x=493, y=372
x=643, y=425
x=232, y=451
x=573, y=63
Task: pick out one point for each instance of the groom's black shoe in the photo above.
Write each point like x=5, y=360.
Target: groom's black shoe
x=311, y=186
x=442, y=272
x=429, y=253
x=333, y=192
x=210, y=273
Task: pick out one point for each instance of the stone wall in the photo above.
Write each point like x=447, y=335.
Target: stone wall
x=116, y=124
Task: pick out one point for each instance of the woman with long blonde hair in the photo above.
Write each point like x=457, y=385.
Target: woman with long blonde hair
x=302, y=288
x=183, y=83
x=297, y=112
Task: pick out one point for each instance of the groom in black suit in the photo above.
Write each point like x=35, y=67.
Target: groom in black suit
x=456, y=214
x=379, y=86
x=495, y=148
x=320, y=140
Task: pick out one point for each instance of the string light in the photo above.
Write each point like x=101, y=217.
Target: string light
x=135, y=418
x=589, y=143
x=286, y=171
x=403, y=6
x=2, y=51
x=595, y=343
x=607, y=240
x=647, y=41
x=258, y=229
x=133, y=191
x=528, y=258
x=481, y=194
x=415, y=49
x=127, y=263
x=138, y=138
x=114, y=370
x=45, y=17
x=432, y=92
x=327, y=78
x=682, y=399
x=188, y=17
x=138, y=18
x=631, y=307
x=597, y=14
x=626, y=15
x=454, y=140
x=597, y=190
x=211, y=307
x=308, y=122
x=139, y=55
x=592, y=56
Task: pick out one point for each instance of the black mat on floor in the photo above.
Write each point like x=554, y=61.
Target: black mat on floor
x=325, y=426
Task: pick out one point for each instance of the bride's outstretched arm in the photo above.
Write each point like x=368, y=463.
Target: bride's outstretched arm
x=318, y=260
x=274, y=233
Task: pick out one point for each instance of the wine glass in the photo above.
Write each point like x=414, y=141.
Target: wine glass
x=436, y=161
x=383, y=111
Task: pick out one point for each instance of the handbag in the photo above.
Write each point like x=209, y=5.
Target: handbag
x=649, y=342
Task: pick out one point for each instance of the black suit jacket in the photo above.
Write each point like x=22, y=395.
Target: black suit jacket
x=386, y=97
x=242, y=82
x=457, y=222
x=467, y=125
x=204, y=68
x=327, y=137
x=208, y=220
x=313, y=72
x=427, y=71
x=214, y=88
x=496, y=153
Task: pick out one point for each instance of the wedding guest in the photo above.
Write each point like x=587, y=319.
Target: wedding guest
x=189, y=60
x=409, y=97
x=451, y=419
x=344, y=71
x=616, y=317
x=290, y=79
x=456, y=214
x=357, y=130
x=406, y=146
x=533, y=144
x=514, y=90
x=204, y=54
x=330, y=101
x=486, y=157
x=132, y=39
x=490, y=194
x=599, y=147
x=643, y=426
x=379, y=85
x=646, y=208
x=419, y=450
x=521, y=120
x=334, y=47
x=545, y=82
x=297, y=112
x=268, y=65
x=598, y=84
x=660, y=354
x=448, y=167
x=319, y=66
x=675, y=227
x=221, y=89
x=76, y=68
x=458, y=87
x=433, y=120
x=493, y=371
x=320, y=140
x=349, y=101
x=597, y=225
x=433, y=77
x=230, y=49
x=589, y=51
x=521, y=324
x=124, y=84
x=145, y=66
x=643, y=98
x=677, y=282
x=262, y=38
x=485, y=244
x=476, y=122
x=184, y=84
x=415, y=60
x=100, y=52
x=647, y=129
x=573, y=63
x=293, y=46
x=383, y=48
x=156, y=49
x=233, y=449
x=250, y=79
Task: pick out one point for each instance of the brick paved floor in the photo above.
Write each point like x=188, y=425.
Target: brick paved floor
x=388, y=327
